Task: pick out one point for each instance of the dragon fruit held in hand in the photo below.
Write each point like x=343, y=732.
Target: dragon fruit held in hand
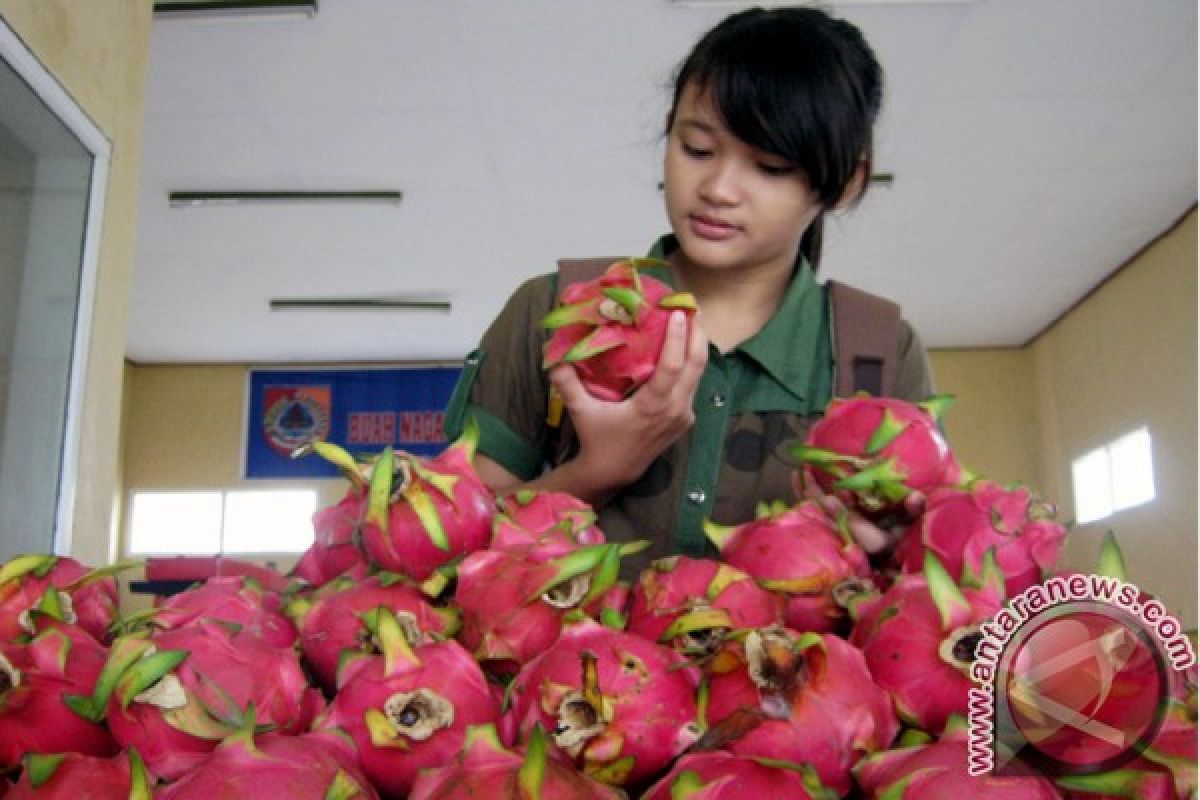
x=486, y=769
x=612, y=329
x=802, y=553
x=409, y=708
x=960, y=525
x=619, y=706
x=72, y=776
x=873, y=452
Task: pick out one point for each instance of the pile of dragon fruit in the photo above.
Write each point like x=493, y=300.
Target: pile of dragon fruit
x=438, y=641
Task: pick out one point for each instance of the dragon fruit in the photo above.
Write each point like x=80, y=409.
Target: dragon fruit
x=409, y=708
x=919, y=640
x=341, y=617
x=934, y=770
x=201, y=568
x=275, y=766
x=72, y=776
x=336, y=532
x=36, y=681
x=803, y=553
x=873, y=452
x=88, y=597
x=813, y=702
x=514, y=600
x=618, y=706
x=612, y=329
x=175, y=695
x=694, y=605
x=528, y=517
x=960, y=524
x=724, y=776
x=230, y=599
x=423, y=513
x=487, y=769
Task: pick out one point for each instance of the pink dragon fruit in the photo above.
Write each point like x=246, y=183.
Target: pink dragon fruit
x=937, y=770
x=724, y=776
x=618, y=706
x=72, y=776
x=201, y=568
x=514, y=601
x=36, y=681
x=919, y=640
x=486, y=769
x=694, y=605
x=231, y=599
x=1164, y=770
x=424, y=513
x=873, y=452
x=529, y=517
x=275, y=766
x=800, y=552
x=612, y=329
x=88, y=597
x=175, y=695
x=336, y=532
x=409, y=708
x=813, y=699
x=341, y=617
x=961, y=524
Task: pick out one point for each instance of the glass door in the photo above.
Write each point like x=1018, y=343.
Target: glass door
x=53, y=169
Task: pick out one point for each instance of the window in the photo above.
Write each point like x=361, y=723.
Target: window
x=236, y=521
x=53, y=173
x=1113, y=478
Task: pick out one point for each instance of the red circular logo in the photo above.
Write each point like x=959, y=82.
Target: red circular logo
x=1084, y=688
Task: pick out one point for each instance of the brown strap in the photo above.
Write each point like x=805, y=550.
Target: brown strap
x=866, y=331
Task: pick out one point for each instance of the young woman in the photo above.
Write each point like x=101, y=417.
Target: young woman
x=770, y=128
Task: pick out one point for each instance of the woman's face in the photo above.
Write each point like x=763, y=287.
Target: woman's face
x=731, y=206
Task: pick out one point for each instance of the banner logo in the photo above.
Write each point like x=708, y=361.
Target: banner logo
x=294, y=416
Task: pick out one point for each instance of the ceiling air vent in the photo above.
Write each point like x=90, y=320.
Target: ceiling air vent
x=232, y=8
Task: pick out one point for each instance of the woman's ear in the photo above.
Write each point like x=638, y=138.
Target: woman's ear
x=854, y=187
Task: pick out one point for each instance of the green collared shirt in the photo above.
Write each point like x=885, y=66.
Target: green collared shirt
x=753, y=402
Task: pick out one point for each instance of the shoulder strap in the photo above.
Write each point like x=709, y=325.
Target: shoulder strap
x=866, y=331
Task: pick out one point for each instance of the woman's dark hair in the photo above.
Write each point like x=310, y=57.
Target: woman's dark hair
x=795, y=83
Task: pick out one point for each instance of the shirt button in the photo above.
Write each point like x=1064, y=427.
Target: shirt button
x=718, y=400
x=696, y=496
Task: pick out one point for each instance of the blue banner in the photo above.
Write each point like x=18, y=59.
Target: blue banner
x=363, y=410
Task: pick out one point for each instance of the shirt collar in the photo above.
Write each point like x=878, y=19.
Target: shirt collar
x=785, y=346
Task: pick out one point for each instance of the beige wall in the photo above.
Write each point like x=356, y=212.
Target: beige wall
x=1123, y=359
x=991, y=425
x=98, y=51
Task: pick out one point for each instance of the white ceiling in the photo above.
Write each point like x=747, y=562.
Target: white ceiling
x=1036, y=144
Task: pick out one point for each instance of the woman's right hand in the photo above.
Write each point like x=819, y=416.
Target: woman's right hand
x=619, y=440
